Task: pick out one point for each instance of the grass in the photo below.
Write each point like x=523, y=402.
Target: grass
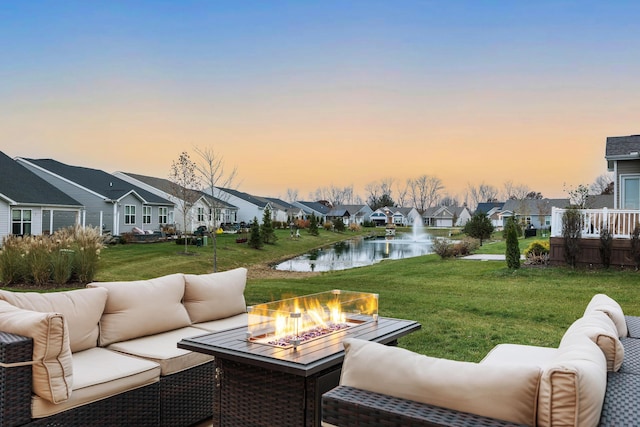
x=465, y=307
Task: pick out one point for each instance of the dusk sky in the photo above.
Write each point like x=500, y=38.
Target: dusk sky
x=302, y=95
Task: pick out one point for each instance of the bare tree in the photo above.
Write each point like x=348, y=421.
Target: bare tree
x=184, y=187
x=448, y=200
x=515, y=192
x=578, y=196
x=603, y=184
x=425, y=191
x=482, y=193
x=292, y=195
x=402, y=191
x=212, y=173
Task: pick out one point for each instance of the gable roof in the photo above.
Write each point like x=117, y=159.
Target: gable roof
x=258, y=201
x=18, y=184
x=623, y=147
x=100, y=182
x=166, y=186
x=315, y=206
x=485, y=207
x=534, y=206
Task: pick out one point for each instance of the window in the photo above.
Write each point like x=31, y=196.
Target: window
x=630, y=196
x=146, y=214
x=162, y=215
x=129, y=214
x=21, y=221
x=200, y=214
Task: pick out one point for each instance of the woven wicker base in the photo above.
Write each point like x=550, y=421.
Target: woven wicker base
x=187, y=397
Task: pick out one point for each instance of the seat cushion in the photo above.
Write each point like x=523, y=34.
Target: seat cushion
x=98, y=374
x=143, y=307
x=81, y=309
x=53, y=369
x=163, y=349
x=608, y=305
x=216, y=295
x=237, y=321
x=601, y=330
x=503, y=392
x=519, y=354
x=573, y=384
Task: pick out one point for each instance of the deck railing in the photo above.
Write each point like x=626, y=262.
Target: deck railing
x=620, y=222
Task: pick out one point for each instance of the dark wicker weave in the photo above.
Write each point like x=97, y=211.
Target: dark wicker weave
x=633, y=326
x=348, y=406
x=15, y=382
x=281, y=396
x=620, y=406
x=187, y=397
x=631, y=361
x=139, y=407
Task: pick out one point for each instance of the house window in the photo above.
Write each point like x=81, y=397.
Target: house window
x=21, y=221
x=630, y=197
x=162, y=215
x=129, y=214
x=146, y=214
x=200, y=214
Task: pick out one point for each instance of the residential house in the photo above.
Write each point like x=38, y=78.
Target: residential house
x=487, y=207
x=350, y=214
x=249, y=206
x=446, y=216
x=30, y=205
x=112, y=204
x=623, y=159
x=200, y=214
x=320, y=210
x=534, y=213
x=400, y=216
x=284, y=212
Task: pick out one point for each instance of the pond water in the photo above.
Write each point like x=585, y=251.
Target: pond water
x=359, y=253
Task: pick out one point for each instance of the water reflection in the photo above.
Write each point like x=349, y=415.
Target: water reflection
x=358, y=253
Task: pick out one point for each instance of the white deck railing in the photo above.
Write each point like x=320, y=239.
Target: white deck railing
x=619, y=222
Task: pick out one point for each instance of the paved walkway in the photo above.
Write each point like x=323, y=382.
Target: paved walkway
x=488, y=257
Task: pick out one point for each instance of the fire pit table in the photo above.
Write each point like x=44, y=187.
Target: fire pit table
x=264, y=378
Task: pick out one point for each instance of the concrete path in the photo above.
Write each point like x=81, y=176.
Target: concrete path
x=488, y=257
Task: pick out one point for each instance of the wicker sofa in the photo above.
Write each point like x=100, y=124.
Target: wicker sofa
x=107, y=354
x=592, y=378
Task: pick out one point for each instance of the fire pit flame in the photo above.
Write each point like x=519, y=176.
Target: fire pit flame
x=294, y=321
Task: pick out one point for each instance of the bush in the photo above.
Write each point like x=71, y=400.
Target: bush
x=537, y=247
x=354, y=227
x=443, y=248
x=328, y=226
x=635, y=246
x=338, y=225
x=513, y=249
x=572, y=233
x=464, y=247
x=12, y=262
x=606, y=247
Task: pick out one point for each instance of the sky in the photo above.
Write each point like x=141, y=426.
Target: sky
x=309, y=94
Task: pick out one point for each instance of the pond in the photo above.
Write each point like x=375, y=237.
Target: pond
x=359, y=253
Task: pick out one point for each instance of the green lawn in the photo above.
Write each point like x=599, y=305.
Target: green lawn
x=465, y=307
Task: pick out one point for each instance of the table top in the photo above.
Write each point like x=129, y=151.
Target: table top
x=309, y=358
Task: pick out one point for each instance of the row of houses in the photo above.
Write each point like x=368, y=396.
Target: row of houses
x=40, y=196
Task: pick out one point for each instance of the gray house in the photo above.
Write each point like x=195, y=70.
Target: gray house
x=532, y=212
x=111, y=203
x=623, y=159
x=350, y=214
x=30, y=205
x=318, y=209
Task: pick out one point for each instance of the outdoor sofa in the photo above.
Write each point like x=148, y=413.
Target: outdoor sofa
x=107, y=354
x=591, y=379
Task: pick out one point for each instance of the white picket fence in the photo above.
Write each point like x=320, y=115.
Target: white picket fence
x=620, y=222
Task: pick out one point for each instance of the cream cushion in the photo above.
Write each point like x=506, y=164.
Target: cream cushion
x=216, y=295
x=98, y=374
x=519, y=354
x=163, y=349
x=144, y=307
x=52, y=370
x=606, y=304
x=81, y=309
x=503, y=392
x=237, y=321
x=601, y=330
x=573, y=384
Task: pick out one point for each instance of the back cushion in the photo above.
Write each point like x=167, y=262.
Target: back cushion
x=573, y=384
x=143, y=307
x=81, y=309
x=53, y=370
x=601, y=330
x=504, y=392
x=606, y=304
x=215, y=296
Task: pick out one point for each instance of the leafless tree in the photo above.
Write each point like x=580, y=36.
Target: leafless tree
x=515, y=192
x=336, y=195
x=603, y=184
x=292, y=195
x=481, y=193
x=211, y=169
x=448, y=200
x=425, y=191
x=185, y=187
x=402, y=193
